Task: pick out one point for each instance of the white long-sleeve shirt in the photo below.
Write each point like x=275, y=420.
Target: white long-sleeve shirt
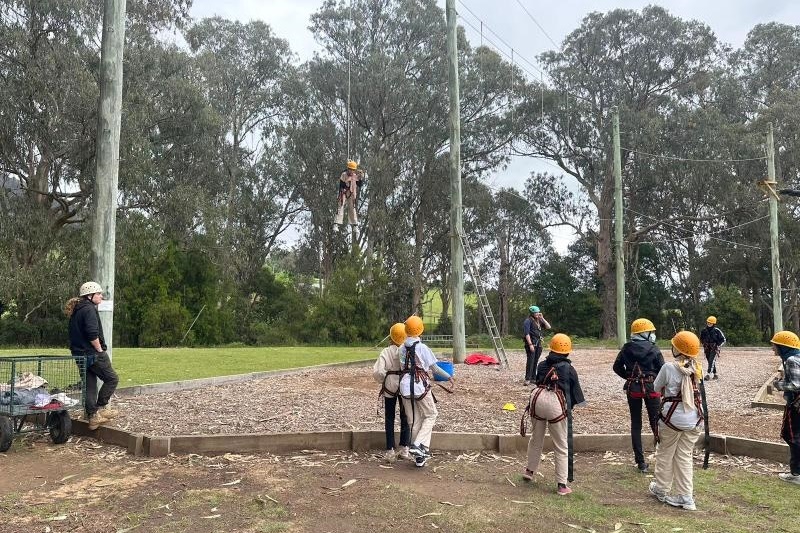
x=668, y=382
x=425, y=360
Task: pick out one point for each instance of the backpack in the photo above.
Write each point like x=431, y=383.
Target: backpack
x=416, y=374
x=640, y=386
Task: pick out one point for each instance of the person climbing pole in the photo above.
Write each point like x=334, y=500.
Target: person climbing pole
x=349, y=183
x=638, y=364
x=387, y=371
x=557, y=392
x=681, y=422
x=712, y=339
x=786, y=345
x=532, y=339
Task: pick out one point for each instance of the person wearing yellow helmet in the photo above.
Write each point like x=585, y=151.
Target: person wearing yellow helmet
x=638, y=363
x=386, y=371
x=712, y=339
x=557, y=391
x=786, y=345
x=681, y=423
x=349, y=183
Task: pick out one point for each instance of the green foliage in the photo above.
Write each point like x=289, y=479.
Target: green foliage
x=734, y=316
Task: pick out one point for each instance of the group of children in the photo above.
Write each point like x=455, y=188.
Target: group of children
x=669, y=391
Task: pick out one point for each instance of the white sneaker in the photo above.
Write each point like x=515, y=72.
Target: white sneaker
x=403, y=453
x=687, y=502
x=658, y=493
x=790, y=478
x=389, y=456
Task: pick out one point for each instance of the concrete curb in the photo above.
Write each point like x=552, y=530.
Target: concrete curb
x=190, y=384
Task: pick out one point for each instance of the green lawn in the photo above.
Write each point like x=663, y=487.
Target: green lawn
x=138, y=366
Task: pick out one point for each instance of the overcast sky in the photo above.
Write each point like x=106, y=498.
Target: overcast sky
x=730, y=20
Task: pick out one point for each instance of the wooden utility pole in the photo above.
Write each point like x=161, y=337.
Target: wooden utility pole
x=456, y=251
x=104, y=214
x=618, y=233
x=777, y=302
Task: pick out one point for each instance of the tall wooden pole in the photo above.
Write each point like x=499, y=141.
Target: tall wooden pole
x=618, y=233
x=104, y=219
x=777, y=302
x=456, y=251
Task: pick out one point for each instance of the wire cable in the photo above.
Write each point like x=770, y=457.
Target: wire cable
x=674, y=158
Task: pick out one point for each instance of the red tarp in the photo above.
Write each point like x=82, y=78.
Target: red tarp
x=480, y=359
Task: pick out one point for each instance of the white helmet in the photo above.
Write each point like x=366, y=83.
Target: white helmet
x=90, y=287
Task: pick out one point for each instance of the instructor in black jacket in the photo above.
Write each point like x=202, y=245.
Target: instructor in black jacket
x=638, y=364
x=86, y=339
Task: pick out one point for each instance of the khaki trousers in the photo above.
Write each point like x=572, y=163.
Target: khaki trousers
x=674, y=460
x=424, y=417
x=351, y=211
x=558, y=431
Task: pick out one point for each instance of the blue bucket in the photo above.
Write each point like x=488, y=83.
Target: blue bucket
x=447, y=366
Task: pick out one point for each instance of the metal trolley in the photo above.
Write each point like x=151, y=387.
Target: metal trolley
x=36, y=394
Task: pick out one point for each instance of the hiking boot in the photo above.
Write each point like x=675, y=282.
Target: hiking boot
x=420, y=461
x=528, y=474
x=687, y=502
x=563, y=490
x=403, y=453
x=790, y=478
x=643, y=467
x=658, y=493
x=95, y=421
x=389, y=456
x=105, y=412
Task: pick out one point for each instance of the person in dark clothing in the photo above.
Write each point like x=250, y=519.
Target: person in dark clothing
x=712, y=340
x=638, y=364
x=86, y=340
x=532, y=339
x=786, y=345
x=558, y=391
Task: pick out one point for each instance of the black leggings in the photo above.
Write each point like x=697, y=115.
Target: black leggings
x=389, y=403
x=532, y=359
x=635, y=406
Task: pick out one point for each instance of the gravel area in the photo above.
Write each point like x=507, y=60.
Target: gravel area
x=346, y=399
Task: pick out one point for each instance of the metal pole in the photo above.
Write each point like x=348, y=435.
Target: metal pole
x=104, y=219
x=777, y=303
x=456, y=251
x=618, y=233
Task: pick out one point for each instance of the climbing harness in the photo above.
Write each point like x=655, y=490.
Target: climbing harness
x=640, y=386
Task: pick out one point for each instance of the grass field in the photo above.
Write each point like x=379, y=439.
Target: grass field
x=139, y=366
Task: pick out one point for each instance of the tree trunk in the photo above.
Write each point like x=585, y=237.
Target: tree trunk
x=416, y=265
x=605, y=262
x=503, y=282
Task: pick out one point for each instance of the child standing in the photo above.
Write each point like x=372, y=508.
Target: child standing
x=680, y=424
x=712, y=340
x=416, y=362
x=786, y=345
x=557, y=391
x=387, y=371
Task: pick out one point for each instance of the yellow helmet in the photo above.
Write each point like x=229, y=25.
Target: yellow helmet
x=686, y=343
x=711, y=320
x=561, y=343
x=786, y=338
x=641, y=325
x=398, y=333
x=414, y=326
x=352, y=165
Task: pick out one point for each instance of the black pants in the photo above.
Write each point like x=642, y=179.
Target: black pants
x=635, y=407
x=711, y=357
x=532, y=359
x=100, y=368
x=790, y=432
x=389, y=404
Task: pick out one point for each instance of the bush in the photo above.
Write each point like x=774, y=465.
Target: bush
x=164, y=324
x=734, y=316
x=14, y=332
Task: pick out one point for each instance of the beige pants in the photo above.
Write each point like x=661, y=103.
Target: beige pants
x=351, y=211
x=424, y=417
x=558, y=432
x=674, y=460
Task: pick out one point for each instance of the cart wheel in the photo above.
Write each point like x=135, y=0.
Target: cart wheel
x=60, y=427
x=6, y=433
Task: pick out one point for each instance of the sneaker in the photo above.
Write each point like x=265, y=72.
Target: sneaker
x=105, y=412
x=527, y=474
x=426, y=452
x=687, y=502
x=658, y=493
x=416, y=450
x=790, y=478
x=643, y=467
x=420, y=461
x=716, y=376
x=563, y=491
x=403, y=453
x=95, y=421
x=389, y=456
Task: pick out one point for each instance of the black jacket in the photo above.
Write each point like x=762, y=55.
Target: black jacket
x=643, y=352
x=712, y=335
x=84, y=327
x=567, y=377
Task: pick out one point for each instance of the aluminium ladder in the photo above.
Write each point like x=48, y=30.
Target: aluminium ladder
x=483, y=303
